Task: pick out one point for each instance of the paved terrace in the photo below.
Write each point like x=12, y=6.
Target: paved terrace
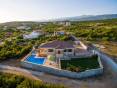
x=52, y=64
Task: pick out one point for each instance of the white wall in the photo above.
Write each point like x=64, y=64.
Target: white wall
x=108, y=61
x=61, y=53
x=69, y=53
x=65, y=73
x=32, y=35
x=83, y=45
x=55, y=52
x=51, y=53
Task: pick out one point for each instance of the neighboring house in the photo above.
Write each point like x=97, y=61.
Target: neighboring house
x=59, y=33
x=8, y=34
x=5, y=27
x=34, y=34
x=23, y=27
x=56, y=48
x=65, y=23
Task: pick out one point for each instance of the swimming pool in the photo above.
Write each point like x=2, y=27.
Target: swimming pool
x=35, y=60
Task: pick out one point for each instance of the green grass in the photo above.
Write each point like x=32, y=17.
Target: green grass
x=80, y=64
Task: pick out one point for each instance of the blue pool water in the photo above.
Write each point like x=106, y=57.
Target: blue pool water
x=36, y=60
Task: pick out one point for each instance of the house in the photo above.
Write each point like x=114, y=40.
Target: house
x=23, y=27
x=32, y=35
x=5, y=27
x=8, y=34
x=59, y=33
x=63, y=49
x=56, y=48
x=65, y=23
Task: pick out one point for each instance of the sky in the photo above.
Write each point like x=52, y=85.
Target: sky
x=35, y=10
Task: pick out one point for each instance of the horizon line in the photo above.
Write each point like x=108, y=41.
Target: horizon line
x=50, y=19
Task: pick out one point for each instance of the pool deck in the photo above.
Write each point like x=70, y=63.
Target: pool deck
x=49, y=63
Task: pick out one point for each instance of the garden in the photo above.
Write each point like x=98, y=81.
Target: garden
x=80, y=64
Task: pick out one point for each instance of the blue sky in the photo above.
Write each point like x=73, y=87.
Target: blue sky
x=35, y=10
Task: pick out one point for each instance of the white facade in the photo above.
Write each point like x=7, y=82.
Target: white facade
x=67, y=23
x=5, y=28
x=32, y=35
x=57, y=52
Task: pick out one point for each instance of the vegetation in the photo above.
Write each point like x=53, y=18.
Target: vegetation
x=52, y=58
x=14, y=81
x=12, y=44
x=15, y=48
x=89, y=30
x=109, y=47
x=80, y=64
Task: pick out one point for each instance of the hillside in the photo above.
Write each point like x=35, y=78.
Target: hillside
x=76, y=18
x=18, y=23
x=87, y=17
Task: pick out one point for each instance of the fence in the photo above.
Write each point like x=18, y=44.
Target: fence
x=112, y=66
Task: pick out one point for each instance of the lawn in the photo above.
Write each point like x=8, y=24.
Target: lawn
x=80, y=64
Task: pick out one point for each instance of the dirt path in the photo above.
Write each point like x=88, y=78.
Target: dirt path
x=107, y=80
x=19, y=71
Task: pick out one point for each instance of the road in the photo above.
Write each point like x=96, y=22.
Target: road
x=105, y=81
x=20, y=71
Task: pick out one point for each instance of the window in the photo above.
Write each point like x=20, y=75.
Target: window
x=69, y=50
x=65, y=50
x=50, y=50
x=59, y=52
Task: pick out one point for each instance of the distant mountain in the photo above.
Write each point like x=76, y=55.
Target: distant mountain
x=76, y=18
x=87, y=17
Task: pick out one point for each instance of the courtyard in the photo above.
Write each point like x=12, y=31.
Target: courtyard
x=80, y=64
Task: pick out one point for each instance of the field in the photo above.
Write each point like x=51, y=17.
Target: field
x=80, y=64
x=109, y=48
